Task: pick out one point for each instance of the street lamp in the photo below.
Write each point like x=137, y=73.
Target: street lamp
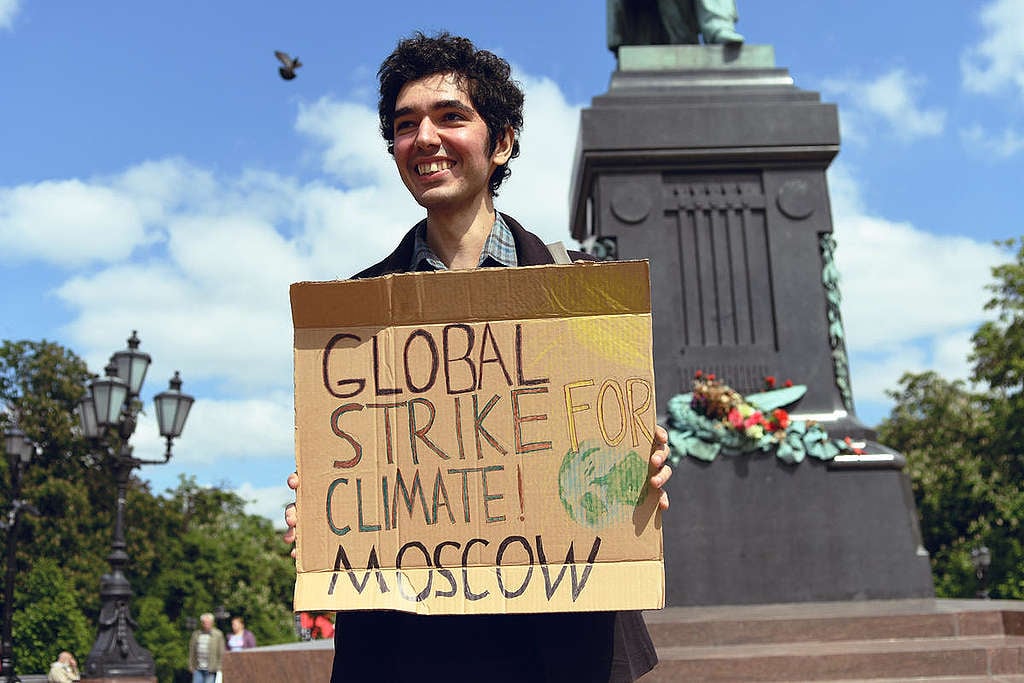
x=108, y=416
x=19, y=451
x=981, y=559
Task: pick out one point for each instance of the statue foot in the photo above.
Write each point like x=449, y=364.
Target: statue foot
x=724, y=36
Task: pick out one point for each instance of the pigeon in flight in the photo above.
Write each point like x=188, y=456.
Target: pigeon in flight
x=290, y=65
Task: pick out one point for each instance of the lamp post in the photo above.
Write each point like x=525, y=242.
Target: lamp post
x=981, y=559
x=108, y=416
x=19, y=451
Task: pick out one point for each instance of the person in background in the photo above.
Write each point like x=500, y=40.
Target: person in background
x=64, y=670
x=316, y=625
x=241, y=638
x=205, y=651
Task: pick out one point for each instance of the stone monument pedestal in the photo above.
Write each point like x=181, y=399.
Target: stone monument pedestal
x=710, y=162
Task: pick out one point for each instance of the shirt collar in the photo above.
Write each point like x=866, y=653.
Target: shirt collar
x=499, y=248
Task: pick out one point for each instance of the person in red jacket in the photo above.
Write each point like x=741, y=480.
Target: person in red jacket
x=315, y=625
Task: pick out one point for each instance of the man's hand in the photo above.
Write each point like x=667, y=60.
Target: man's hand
x=290, y=518
x=658, y=466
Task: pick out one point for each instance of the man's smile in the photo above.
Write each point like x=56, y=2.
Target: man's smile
x=431, y=167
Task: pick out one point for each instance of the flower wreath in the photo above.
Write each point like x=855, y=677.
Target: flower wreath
x=714, y=418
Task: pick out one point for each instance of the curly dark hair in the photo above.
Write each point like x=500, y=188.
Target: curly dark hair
x=486, y=78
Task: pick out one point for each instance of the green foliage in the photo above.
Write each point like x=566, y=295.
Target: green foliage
x=998, y=344
x=164, y=639
x=192, y=548
x=965, y=451
x=40, y=384
x=47, y=618
x=195, y=549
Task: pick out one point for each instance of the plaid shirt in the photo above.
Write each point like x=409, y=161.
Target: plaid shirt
x=499, y=249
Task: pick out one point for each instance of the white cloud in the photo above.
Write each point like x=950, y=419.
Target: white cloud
x=241, y=430
x=892, y=100
x=911, y=299
x=353, y=151
x=999, y=145
x=996, y=62
x=949, y=356
x=874, y=374
x=544, y=168
x=268, y=501
x=8, y=9
x=900, y=282
x=69, y=222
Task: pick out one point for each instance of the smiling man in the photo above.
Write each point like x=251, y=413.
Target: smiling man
x=450, y=115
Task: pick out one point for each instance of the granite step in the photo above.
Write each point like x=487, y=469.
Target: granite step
x=903, y=659
x=830, y=622
x=1010, y=678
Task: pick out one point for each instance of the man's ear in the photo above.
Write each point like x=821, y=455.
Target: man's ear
x=503, y=147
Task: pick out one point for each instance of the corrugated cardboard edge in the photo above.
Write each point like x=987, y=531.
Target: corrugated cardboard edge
x=578, y=289
x=610, y=586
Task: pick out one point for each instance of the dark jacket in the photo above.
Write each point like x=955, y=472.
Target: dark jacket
x=577, y=647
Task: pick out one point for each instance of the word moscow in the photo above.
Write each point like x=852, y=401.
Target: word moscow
x=460, y=433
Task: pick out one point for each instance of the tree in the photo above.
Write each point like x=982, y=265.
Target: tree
x=964, y=450
x=47, y=619
x=192, y=548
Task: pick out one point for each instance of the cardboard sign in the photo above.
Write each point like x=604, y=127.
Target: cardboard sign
x=477, y=441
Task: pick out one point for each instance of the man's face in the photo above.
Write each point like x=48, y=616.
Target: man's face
x=207, y=623
x=442, y=146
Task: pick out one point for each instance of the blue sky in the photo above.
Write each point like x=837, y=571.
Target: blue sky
x=158, y=175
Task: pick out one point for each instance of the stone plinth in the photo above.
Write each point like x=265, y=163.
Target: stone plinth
x=752, y=529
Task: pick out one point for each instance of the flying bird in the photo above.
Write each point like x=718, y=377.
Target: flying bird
x=290, y=65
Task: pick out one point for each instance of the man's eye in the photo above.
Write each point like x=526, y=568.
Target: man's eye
x=402, y=125
x=454, y=116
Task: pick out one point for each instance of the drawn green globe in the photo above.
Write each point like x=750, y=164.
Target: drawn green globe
x=600, y=486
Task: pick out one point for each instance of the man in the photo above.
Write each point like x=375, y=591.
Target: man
x=205, y=651
x=450, y=115
x=64, y=670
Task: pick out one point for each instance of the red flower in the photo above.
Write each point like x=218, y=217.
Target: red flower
x=788, y=383
x=769, y=381
x=711, y=377
x=781, y=417
x=756, y=418
x=699, y=374
x=735, y=419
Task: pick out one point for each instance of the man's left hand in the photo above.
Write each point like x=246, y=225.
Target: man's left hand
x=658, y=467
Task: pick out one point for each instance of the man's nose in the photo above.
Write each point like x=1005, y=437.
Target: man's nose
x=426, y=135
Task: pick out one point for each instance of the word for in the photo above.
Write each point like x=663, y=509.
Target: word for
x=457, y=585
